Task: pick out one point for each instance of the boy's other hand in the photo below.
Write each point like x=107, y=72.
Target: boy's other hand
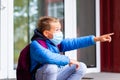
x=74, y=62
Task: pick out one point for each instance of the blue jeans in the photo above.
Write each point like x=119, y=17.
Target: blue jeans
x=53, y=72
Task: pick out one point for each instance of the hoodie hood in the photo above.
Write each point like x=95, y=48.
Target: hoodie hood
x=37, y=35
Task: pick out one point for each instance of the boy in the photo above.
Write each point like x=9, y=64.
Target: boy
x=53, y=65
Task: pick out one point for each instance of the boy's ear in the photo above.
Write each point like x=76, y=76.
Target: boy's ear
x=45, y=33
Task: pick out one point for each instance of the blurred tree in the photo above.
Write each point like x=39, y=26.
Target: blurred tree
x=20, y=26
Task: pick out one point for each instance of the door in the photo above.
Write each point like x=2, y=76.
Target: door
x=110, y=22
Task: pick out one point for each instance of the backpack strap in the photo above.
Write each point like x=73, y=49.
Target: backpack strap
x=43, y=43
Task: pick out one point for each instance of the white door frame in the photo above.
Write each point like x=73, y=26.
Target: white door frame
x=3, y=38
x=7, y=39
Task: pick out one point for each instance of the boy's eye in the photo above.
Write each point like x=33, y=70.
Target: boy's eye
x=58, y=30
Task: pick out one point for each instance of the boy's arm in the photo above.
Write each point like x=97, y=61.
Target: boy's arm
x=76, y=43
x=81, y=42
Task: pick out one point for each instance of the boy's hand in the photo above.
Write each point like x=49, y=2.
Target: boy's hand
x=74, y=62
x=104, y=38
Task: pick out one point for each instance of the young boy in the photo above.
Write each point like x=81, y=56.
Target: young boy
x=55, y=66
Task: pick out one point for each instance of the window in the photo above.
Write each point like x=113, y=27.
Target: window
x=56, y=9
x=20, y=27
x=86, y=25
x=26, y=14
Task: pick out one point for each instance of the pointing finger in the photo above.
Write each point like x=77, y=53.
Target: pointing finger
x=110, y=34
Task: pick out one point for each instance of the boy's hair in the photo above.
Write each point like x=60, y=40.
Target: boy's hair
x=44, y=23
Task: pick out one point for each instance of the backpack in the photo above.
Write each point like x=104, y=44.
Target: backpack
x=23, y=67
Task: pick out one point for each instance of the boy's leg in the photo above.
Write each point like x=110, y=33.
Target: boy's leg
x=70, y=73
x=50, y=72
x=47, y=72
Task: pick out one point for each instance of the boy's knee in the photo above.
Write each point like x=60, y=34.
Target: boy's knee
x=47, y=72
x=83, y=68
x=50, y=68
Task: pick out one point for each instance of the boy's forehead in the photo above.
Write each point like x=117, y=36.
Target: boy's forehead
x=55, y=24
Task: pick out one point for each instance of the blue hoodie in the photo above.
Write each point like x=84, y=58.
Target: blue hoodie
x=51, y=54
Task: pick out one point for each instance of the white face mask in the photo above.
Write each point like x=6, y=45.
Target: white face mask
x=57, y=38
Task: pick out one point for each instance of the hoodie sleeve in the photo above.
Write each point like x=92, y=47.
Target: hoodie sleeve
x=45, y=56
x=76, y=43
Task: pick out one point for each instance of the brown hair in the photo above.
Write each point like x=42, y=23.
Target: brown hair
x=44, y=23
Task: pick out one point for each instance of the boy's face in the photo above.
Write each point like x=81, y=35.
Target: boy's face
x=54, y=28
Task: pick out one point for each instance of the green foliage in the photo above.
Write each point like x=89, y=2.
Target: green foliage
x=20, y=26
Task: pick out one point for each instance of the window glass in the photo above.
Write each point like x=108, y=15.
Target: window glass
x=20, y=26
x=56, y=9
x=86, y=26
x=26, y=14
